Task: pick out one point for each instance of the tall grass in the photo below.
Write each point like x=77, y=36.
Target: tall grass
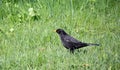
x=27, y=40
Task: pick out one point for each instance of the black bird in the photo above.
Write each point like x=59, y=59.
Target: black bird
x=70, y=42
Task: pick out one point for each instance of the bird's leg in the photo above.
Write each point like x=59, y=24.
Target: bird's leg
x=72, y=50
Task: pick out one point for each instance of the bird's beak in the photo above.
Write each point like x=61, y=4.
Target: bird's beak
x=54, y=30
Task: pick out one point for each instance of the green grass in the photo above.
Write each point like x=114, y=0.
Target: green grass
x=27, y=40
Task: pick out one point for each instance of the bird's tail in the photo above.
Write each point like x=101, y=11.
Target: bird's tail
x=90, y=44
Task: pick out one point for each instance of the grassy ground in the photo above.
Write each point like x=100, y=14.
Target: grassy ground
x=27, y=40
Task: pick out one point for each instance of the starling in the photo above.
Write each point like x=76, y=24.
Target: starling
x=71, y=43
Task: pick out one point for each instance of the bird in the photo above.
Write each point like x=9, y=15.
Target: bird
x=70, y=42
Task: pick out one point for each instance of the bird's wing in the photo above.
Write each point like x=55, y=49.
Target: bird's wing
x=71, y=39
x=77, y=44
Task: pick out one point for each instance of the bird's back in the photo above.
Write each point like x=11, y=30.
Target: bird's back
x=70, y=42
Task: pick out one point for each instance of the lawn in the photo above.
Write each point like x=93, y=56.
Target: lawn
x=28, y=40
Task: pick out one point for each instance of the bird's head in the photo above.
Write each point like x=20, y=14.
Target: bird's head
x=61, y=32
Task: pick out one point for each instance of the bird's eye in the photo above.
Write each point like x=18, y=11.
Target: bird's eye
x=59, y=32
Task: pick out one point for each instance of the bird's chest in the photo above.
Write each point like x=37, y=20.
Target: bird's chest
x=66, y=43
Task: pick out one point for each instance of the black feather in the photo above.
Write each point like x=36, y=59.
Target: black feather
x=70, y=42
